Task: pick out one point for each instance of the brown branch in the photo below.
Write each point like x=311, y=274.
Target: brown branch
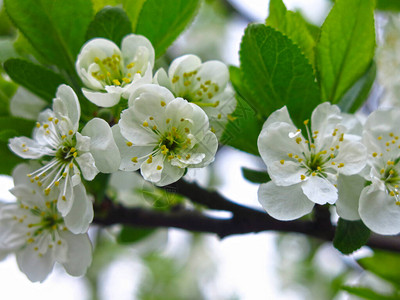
x=243, y=220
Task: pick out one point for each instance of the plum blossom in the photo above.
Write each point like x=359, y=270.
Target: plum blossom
x=35, y=231
x=379, y=203
x=64, y=152
x=204, y=84
x=109, y=72
x=304, y=171
x=163, y=135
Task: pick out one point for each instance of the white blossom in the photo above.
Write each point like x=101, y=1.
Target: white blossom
x=109, y=72
x=66, y=153
x=163, y=135
x=204, y=84
x=26, y=105
x=304, y=171
x=379, y=206
x=34, y=230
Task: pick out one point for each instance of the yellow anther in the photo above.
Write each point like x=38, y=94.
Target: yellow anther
x=159, y=167
x=63, y=136
x=332, y=149
x=163, y=103
x=298, y=140
x=59, y=242
x=387, y=144
x=131, y=65
x=39, y=183
x=290, y=155
x=302, y=177
x=70, y=132
x=96, y=60
x=167, y=121
x=392, y=193
x=210, y=95
x=129, y=144
x=319, y=168
x=108, y=74
x=337, y=147
x=314, y=174
x=216, y=103
x=282, y=161
x=75, y=154
x=300, y=160
x=341, y=138
x=382, y=171
x=64, y=174
x=391, y=172
x=45, y=126
x=37, y=124
x=134, y=159
x=116, y=82
x=332, y=155
x=170, y=157
x=379, y=138
x=145, y=124
x=312, y=146
x=126, y=80
x=71, y=165
x=47, y=191
x=374, y=154
x=316, y=132
x=154, y=127
x=63, y=198
x=150, y=159
x=199, y=93
x=187, y=83
x=333, y=163
x=25, y=150
x=391, y=134
x=187, y=130
x=341, y=165
x=30, y=240
x=57, y=183
x=296, y=156
x=175, y=79
x=219, y=116
x=151, y=118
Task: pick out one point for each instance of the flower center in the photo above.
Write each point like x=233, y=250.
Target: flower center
x=194, y=90
x=112, y=72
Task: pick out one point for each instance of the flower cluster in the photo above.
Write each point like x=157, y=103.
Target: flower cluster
x=162, y=131
x=356, y=168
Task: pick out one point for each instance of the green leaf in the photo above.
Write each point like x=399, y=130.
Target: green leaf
x=56, y=28
x=255, y=176
x=111, y=23
x=162, y=21
x=384, y=264
x=35, y=78
x=358, y=94
x=277, y=73
x=243, y=128
x=367, y=293
x=7, y=90
x=293, y=25
x=100, y=4
x=350, y=236
x=129, y=235
x=391, y=5
x=346, y=47
x=133, y=9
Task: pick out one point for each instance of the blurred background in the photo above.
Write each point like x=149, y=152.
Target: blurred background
x=170, y=264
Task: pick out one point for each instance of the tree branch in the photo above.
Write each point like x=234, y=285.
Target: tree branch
x=244, y=219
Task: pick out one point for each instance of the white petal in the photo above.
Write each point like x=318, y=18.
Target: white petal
x=80, y=216
x=274, y=143
x=208, y=145
x=319, y=190
x=132, y=44
x=280, y=115
x=170, y=174
x=379, y=211
x=102, y=99
x=354, y=157
x=102, y=145
x=161, y=78
x=66, y=104
x=129, y=152
x=26, y=105
x=153, y=94
x=36, y=267
x=182, y=64
x=82, y=142
x=349, y=190
x=325, y=118
x=20, y=172
x=284, y=203
x=151, y=171
x=87, y=165
x=285, y=174
x=215, y=71
x=137, y=82
x=64, y=206
x=27, y=148
x=79, y=256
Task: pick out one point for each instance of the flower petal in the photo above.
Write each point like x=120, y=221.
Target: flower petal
x=137, y=47
x=285, y=174
x=284, y=203
x=26, y=105
x=80, y=216
x=79, y=255
x=102, y=145
x=319, y=190
x=182, y=64
x=349, y=190
x=87, y=166
x=151, y=169
x=325, y=118
x=66, y=104
x=379, y=211
x=102, y=99
x=27, y=148
x=354, y=157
